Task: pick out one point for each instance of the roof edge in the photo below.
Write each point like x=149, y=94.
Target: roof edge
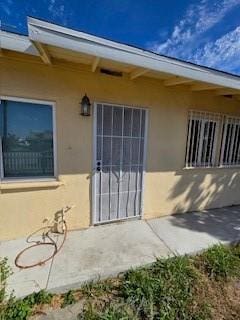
x=62, y=37
x=132, y=48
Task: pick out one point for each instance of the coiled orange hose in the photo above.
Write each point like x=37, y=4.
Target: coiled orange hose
x=42, y=243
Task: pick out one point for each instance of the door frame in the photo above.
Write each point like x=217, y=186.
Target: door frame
x=93, y=222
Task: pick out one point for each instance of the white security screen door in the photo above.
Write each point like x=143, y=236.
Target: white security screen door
x=118, y=162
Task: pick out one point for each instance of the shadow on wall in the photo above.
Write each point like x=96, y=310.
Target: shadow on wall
x=208, y=191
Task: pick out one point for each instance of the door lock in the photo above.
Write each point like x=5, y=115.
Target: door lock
x=99, y=165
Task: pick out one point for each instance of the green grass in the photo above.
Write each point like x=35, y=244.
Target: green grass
x=112, y=311
x=164, y=289
x=15, y=310
x=68, y=299
x=5, y=272
x=177, y=288
x=221, y=262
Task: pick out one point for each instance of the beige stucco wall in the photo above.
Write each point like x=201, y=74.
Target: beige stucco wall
x=168, y=187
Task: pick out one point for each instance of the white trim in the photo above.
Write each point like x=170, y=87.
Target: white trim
x=144, y=160
x=137, y=217
x=52, y=104
x=95, y=64
x=30, y=100
x=175, y=81
x=18, y=43
x=121, y=105
x=94, y=158
x=137, y=73
x=51, y=34
x=69, y=39
x=44, y=54
x=204, y=119
x=221, y=120
x=234, y=123
x=94, y=221
x=54, y=120
x=28, y=179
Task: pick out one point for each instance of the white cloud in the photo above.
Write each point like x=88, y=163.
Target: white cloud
x=6, y=7
x=224, y=53
x=190, y=32
x=57, y=11
x=197, y=20
x=51, y=5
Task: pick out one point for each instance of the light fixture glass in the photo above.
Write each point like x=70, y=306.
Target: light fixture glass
x=85, y=106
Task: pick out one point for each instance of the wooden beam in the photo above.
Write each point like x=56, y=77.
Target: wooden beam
x=95, y=64
x=137, y=73
x=202, y=87
x=223, y=92
x=44, y=54
x=1, y=52
x=175, y=81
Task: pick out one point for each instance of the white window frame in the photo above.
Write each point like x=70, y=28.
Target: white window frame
x=22, y=179
x=204, y=117
x=235, y=121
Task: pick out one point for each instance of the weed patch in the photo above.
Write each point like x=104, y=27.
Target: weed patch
x=5, y=272
x=15, y=310
x=201, y=287
x=68, y=299
x=36, y=298
x=221, y=262
x=109, y=312
x=162, y=291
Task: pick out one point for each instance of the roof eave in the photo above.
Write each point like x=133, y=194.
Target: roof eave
x=51, y=34
x=41, y=32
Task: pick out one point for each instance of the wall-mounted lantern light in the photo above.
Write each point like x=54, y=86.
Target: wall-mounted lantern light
x=85, y=106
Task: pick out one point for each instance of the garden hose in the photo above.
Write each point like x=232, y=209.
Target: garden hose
x=51, y=242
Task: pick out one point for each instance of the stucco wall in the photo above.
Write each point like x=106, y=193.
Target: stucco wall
x=168, y=187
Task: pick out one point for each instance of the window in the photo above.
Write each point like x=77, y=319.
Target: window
x=26, y=133
x=230, y=149
x=203, y=130
x=213, y=140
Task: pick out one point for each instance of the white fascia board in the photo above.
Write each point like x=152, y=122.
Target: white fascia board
x=15, y=42
x=62, y=37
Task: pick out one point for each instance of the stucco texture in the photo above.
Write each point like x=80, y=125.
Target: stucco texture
x=168, y=188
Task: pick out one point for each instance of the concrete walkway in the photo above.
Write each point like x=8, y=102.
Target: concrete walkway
x=107, y=250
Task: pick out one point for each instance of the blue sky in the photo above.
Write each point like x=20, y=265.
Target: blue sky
x=206, y=32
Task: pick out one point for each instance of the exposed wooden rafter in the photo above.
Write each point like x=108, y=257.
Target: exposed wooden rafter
x=175, y=81
x=137, y=73
x=95, y=64
x=224, y=92
x=202, y=87
x=44, y=54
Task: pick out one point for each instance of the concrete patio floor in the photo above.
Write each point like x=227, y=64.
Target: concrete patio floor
x=107, y=250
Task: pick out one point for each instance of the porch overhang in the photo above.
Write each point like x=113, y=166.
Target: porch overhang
x=51, y=42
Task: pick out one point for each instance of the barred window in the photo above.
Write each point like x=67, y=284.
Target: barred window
x=203, y=130
x=230, y=147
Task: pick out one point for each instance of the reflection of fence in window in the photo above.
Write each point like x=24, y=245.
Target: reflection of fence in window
x=28, y=163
